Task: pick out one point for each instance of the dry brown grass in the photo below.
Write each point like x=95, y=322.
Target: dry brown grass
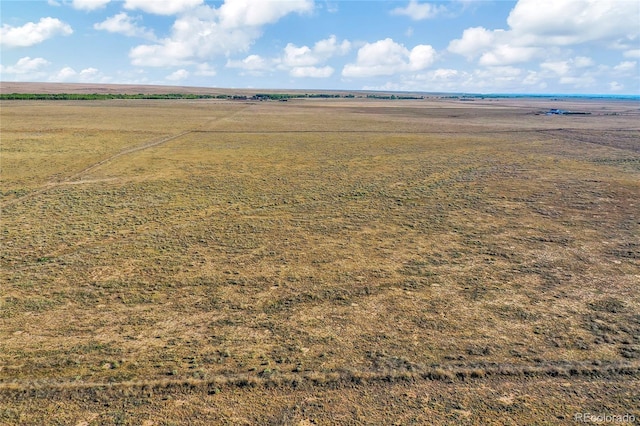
x=203, y=256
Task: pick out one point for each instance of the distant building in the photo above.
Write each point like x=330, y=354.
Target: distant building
x=554, y=111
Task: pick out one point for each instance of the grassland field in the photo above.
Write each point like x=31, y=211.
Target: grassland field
x=343, y=261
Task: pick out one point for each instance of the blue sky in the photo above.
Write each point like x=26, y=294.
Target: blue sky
x=525, y=46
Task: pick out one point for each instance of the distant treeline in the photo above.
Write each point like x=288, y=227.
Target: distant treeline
x=258, y=96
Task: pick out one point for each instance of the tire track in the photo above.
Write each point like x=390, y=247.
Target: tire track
x=151, y=144
x=342, y=377
x=68, y=180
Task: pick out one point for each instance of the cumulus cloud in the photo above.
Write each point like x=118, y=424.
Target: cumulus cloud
x=202, y=33
x=253, y=63
x=536, y=25
x=89, y=4
x=494, y=48
x=421, y=57
x=242, y=13
x=565, y=67
x=473, y=42
x=386, y=57
x=162, y=7
x=126, y=25
x=625, y=67
x=614, y=86
x=633, y=53
x=501, y=79
x=299, y=61
x=64, y=74
x=582, y=61
x=505, y=54
x=33, y=33
x=194, y=37
x=295, y=56
x=178, y=75
x=567, y=22
x=419, y=11
x=24, y=66
x=298, y=56
x=87, y=75
x=558, y=67
x=578, y=82
x=205, y=70
x=314, y=72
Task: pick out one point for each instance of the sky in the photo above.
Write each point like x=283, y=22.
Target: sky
x=468, y=46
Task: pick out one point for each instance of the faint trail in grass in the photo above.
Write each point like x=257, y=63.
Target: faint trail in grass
x=599, y=137
x=70, y=180
x=85, y=181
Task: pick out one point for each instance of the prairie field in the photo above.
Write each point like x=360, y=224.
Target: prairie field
x=319, y=261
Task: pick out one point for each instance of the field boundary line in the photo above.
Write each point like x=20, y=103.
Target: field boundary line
x=412, y=132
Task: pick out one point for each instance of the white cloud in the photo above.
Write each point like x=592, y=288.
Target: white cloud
x=494, y=48
x=505, y=79
x=250, y=63
x=578, y=82
x=87, y=75
x=567, y=22
x=438, y=80
x=444, y=74
x=419, y=11
x=583, y=62
x=162, y=7
x=53, y=3
x=558, y=67
x=421, y=57
x=473, y=42
x=126, y=25
x=299, y=61
x=241, y=13
x=205, y=32
x=614, y=86
x=205, y=70
x=89, y=4
x=625, y=67
x=569, y=66
x=169, y=53
x=33, y=33
x=314, y=72
x=194, y=37
x=295, y=56
x=505, y=54
x=65, y=74
x=535, y=26
x=633, y=53
x=298, y=56
x=386, y=57
x=330, y=47
x=24, y=66
x=533, y=78
x=178, y=75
